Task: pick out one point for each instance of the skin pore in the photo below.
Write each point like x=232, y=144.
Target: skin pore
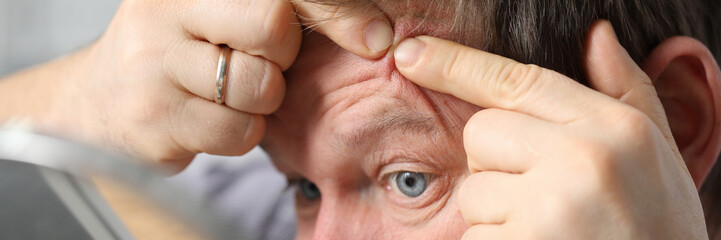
x=353, y=126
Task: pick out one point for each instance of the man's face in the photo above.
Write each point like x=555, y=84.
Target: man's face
x=372, y=154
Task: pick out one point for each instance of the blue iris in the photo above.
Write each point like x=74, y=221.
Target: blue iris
x=411, y=184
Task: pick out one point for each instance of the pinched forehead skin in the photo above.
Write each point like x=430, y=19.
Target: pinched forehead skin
x=347, y=123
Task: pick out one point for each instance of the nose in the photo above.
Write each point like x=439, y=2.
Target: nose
x=345, y=219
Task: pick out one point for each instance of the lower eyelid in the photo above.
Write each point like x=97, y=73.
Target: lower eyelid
x=306, y=207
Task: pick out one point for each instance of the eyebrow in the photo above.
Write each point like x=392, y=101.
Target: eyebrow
x=391, y=121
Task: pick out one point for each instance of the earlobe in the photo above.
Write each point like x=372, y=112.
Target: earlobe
x=686, y=77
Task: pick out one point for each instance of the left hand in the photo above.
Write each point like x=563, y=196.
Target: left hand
x=553, y=159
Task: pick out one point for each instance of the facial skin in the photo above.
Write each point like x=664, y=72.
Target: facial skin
x=350, y=125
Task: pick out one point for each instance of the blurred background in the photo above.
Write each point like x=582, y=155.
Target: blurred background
x=37, y=31
x=34, y=31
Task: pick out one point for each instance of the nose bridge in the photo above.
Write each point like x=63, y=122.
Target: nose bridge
x=342, y=218
x=332, y=217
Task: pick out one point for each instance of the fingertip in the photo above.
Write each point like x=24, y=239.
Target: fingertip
x=424, y=60
x=378, y=36
x=367, y=37
x=255, y=131
x=366, y=33
x=408, y=51
x=601, y=38
x=607, y=61
x=608, y=40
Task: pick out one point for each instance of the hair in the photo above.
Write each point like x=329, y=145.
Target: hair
x=551, y=34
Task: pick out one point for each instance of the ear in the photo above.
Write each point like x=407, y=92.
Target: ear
x=686, y=77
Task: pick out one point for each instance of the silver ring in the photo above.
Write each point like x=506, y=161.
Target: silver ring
x=222, y=77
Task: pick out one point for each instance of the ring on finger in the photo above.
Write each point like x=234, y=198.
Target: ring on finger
x=222, y=75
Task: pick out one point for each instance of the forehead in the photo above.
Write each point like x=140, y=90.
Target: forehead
x=424, y=16
x=399, y=7
x=338, y=104
x=336, y=100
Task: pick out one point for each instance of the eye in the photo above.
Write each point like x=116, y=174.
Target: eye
x=411, y=184
x=308, y=189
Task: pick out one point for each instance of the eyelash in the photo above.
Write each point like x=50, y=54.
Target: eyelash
x=432, y=193
x=292, y=183
x=389, y=178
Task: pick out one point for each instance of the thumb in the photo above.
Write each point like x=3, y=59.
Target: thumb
x=613, y=72
x=364, y=31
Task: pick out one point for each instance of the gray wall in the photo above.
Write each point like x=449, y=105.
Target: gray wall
x=35, y=31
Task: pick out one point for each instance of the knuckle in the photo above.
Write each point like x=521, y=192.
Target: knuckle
x=223, y=133
x=470, y=234
x=464, y=196
x=634, y=125
x=241, y=85
x=557, y=205
x=473, y=185
x=275, y=22
x=475, y=125
x=233, y=133
x=515, y=81
x=244, y=85
x=465, y=191
x=162, y=155
x=461, y=66
x=453, y=66
x=252, y=133
x=596, y=155
x=475, y=232
x=260, y=88
x=270, y=93
x=470, y=130
x=467, y=199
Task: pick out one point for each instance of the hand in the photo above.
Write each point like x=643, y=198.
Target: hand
x=553, y=159
x=149, y=83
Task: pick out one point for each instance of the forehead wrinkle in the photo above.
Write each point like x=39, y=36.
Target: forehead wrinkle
x=390, y=122
x=435, y=109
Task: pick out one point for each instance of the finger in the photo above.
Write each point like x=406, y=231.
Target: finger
x=362, y=30
x=266, y=28
x=483, y=232
x=203, y=126
x=254, y=85
x=507, y=141
x=613, y=72
x=492, y=81
x=489, y=197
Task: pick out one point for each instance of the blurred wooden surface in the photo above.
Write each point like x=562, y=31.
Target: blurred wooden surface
x=143, y=219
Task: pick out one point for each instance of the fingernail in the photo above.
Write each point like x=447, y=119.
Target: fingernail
x=408, y=51
x=379, y=35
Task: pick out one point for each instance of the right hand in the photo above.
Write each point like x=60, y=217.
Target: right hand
x=148, y=84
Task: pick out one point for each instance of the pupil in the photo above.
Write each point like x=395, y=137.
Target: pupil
x=313, y=188
x=411, y=184
x=410, y=181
